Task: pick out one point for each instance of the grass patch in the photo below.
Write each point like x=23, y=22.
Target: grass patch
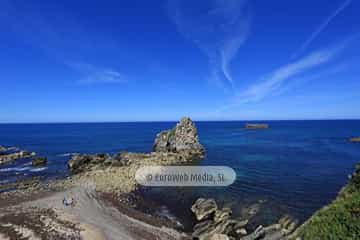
x=340, y=219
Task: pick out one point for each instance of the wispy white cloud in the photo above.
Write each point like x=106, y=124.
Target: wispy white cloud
x=276, y=80
x=321, y=28
x=218, y=28
x=91, y=74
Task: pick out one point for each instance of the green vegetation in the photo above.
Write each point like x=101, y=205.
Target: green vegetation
x=340, y=219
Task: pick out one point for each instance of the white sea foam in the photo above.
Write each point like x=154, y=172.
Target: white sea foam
x=14, y=169
x=4, y=181
x=38, y=169
x=66, y=154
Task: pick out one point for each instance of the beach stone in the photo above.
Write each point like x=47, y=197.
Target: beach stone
x=202, y=208
x=38, y=161
x=183, y=137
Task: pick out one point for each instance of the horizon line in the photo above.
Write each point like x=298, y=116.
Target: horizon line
x=159, y=121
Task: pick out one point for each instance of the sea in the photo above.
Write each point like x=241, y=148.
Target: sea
x=294, y=167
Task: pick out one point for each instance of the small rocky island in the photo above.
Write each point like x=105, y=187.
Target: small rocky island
x=256, y=126
x=355, y=139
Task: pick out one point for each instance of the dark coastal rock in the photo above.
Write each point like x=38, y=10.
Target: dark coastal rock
x=183, y=137
x=82, y=162
x=217, y=224
x=202, y=208
x=2, y=150
x=256, y=126
x=14, y=156
x=38, y=161
x=355, y=139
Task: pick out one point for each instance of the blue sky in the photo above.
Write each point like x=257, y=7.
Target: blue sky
x=70, y=61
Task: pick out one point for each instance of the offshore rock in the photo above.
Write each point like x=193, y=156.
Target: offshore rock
x=14, y=156
x=38, y=161
x=256, y=126
x=355, y=139
x=183, y=137
x=2, y=150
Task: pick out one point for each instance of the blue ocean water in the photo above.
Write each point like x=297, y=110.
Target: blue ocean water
x=294, y=167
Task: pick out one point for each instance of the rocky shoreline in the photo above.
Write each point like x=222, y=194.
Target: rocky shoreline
x=102, y=200
x=11, y=154
x=96, y=180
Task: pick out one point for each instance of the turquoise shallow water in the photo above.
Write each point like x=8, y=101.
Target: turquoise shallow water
x=294, y=167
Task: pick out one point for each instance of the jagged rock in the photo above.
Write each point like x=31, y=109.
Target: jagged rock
x=183, y=137
x=288, y=224
x=206, y=229
x=219, y=237
x=202, y=208
x=38, y=161
x=223, y=214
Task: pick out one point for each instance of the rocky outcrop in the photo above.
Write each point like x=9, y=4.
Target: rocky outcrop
x=183, y=137
x=84, y=162
x=355, y=139
x=181, y=144
x=5, y=158
x=217, y=223
x=38, y=161
x=256, y=126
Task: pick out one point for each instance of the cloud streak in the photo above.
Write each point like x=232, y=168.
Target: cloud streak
x=218, y=28
x=276, y=79
x=321, y=28
x=94, y=75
